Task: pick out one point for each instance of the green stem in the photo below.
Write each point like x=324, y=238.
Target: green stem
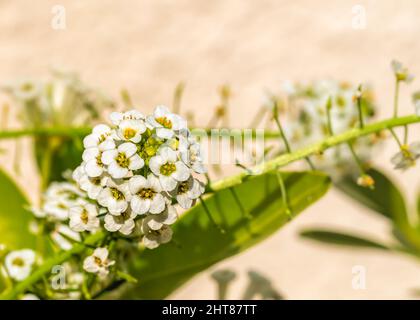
x=316, y=148
x=397, y=89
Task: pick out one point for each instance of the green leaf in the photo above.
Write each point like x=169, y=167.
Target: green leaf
x=343, y=239
x=385, y=198
x=197, y=244
x=14, y=218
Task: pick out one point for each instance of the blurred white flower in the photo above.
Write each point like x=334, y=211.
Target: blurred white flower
x=407, y=156
x=19, y=263
x=98, y=262
x=401, y=72
x=29, y=296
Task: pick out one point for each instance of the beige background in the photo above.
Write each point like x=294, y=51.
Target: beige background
x=149, y=46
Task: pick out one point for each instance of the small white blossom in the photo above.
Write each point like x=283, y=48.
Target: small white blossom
x=117, y=117
x=131, y=130
x=157, y=221
x=92, y=185
x=165, y=122
x=146, y=194
x=115, y=197
x=123, y=223
x=168, y=168
x=121, y=160
x=187, y=192
x=92, y=159
x=407, y=156
x=401, y=72
x=19, y=263
x=98, y=262
x=101, y=138
x=153, y=238
x=84, y=218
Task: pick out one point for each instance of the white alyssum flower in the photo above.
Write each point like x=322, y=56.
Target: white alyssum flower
x=169, y=168
x=122, y=160
x=98, y=262
x=187, y=192
x=407, y=156
x=84, y=218
x=118, y=117
x=146, y=194
x=166, y=122
x=115, y=197
x=124, y=223
x=92, y=185
x=92, y=162
x=101, y=138
x=401, y=72
x=19, y=263
x=157, y=221
x=131, y=130
x=153, y=238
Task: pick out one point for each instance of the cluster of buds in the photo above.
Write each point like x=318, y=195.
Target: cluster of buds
x=314, y=111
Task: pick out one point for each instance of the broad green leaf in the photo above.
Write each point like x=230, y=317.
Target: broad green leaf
x=343, y=239
x=14, y=218
x=197, y=244
x=385, y=198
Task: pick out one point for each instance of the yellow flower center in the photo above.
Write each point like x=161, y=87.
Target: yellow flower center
x=18, y=262
x=146, y=193
x=84, y=216
x=129, y=133
x=122, y=160
x=167, y=169
x=165, y=122
x=117, y=194
x=183, y=187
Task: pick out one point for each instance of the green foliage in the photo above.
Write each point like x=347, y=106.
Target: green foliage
x=385, y=198
x=198, y=244
x=340, y=238
x=14, y=218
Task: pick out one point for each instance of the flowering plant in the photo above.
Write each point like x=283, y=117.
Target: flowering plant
x=139, y=214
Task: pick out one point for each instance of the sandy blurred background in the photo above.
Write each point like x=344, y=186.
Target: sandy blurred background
x=149, y=46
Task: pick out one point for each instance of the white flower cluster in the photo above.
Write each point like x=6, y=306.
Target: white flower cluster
x=135, y=171
x=306, y=121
